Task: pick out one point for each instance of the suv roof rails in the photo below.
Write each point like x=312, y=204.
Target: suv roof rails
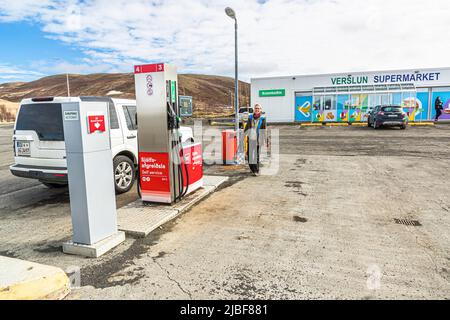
x=94, y=99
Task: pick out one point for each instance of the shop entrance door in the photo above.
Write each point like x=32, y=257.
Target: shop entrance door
x=324, y=108
x=329, y=108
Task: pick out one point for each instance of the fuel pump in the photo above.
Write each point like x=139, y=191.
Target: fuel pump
x=168, y=168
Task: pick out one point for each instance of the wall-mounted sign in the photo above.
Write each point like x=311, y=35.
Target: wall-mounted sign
x=272, y=93
x=96, y=123
x=149, y=79
x=386, y=78
x=349, y=80
x=70, y=115
x=408, y=77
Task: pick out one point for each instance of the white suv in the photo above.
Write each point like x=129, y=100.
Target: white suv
x=39, y=148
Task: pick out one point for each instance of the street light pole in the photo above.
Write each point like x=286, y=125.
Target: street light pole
x=236, y=77
x=230, y=12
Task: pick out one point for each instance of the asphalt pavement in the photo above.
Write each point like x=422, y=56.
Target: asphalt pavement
x=350, y=213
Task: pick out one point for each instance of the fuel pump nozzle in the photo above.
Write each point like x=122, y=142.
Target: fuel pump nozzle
x=173, y=123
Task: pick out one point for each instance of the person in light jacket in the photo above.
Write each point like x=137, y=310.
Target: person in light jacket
x=255, y=131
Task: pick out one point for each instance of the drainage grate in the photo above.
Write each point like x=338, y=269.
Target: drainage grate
x=407, y=222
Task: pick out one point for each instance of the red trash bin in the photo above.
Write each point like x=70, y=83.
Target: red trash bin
x=229, y=146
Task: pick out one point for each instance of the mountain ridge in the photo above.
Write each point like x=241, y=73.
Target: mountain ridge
x=212, y=95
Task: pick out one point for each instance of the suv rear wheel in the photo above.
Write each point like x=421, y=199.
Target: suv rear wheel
x=124, y=174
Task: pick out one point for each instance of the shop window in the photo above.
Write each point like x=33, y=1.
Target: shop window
x=364, y=98
x=385, y=99
x=343, y=102
x=397, y=98
x=407, y=99
x=317, y=103
x=373, y=101
x=329, y=103
x=355, y=101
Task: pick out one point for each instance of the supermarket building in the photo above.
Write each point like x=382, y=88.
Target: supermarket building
x=348, y=97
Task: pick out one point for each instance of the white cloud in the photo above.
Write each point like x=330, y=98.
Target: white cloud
x=10, y=73
x=61, y=66
x=277, y=37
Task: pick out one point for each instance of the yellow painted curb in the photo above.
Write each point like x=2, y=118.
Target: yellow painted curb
x=422, y=124
x=337, y=124
x=359, y=124
x=311, y=125
x=24, y=280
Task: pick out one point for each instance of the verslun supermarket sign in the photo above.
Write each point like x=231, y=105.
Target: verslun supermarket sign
x=407, y=77
x=387, y=78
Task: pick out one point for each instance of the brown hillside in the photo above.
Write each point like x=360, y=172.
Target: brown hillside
x=212, y=95
x=8, y=111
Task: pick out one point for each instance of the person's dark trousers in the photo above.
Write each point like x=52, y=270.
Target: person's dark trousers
x=438, y=114
x=253, y=155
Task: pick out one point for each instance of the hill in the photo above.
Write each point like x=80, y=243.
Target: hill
x=212, y=95
x=8, y=110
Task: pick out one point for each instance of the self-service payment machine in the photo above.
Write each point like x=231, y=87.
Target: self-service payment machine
x=168, y=169
x=90, y=174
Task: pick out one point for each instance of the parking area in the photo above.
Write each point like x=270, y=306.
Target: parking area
x=327, y=225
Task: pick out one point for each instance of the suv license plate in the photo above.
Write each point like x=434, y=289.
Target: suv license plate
x=23, y=148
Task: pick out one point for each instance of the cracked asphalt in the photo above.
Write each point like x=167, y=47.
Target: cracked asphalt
x=322, y=227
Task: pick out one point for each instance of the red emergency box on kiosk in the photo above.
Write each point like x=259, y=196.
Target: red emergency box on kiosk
x=229, y=146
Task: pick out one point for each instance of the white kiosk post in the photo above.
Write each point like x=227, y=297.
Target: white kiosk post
x=91, y=182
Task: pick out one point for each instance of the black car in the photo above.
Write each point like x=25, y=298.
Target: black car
x=387, y=115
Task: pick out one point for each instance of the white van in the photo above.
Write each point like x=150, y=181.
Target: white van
x=39, y=148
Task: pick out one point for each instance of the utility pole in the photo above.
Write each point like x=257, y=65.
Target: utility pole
x=68, y=86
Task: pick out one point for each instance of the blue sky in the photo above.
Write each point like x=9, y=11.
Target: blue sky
x=27, y=47
x=276, y=37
